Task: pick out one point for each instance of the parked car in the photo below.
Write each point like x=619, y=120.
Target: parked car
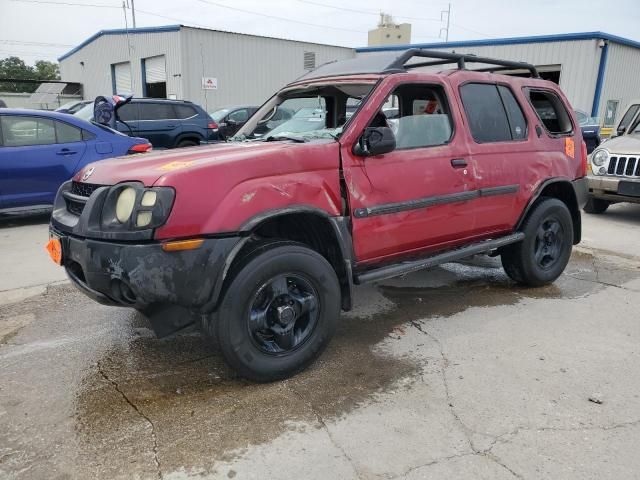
x=615, y=165
x=73, y=107
x=260, y=240
x=40, y=150
x=165, y=123
x=590, y=127
x=230, y=119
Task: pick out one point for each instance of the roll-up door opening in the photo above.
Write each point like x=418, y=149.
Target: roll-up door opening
x=121, y=79
x=155, y=77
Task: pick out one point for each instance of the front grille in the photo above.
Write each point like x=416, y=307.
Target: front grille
x=83, y=189
x=624, y=166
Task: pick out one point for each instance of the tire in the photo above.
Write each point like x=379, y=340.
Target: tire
x=187, y=143
x=596, y=205
x=545, y=251
x=257, y=295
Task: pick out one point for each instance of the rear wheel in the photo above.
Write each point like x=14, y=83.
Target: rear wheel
x=596, y=205
x=279, y=312
x=544, y=253
x=187, y=143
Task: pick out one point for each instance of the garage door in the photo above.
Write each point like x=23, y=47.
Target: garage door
x=122, y=77
x=155, y=69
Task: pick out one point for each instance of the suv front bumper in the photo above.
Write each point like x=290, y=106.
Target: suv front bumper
x=614, y=189
x=144, y=276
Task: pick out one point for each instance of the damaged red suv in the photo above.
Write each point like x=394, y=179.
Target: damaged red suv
x=260, y=240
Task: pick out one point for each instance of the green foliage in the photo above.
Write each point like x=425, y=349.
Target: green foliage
x=15, y=68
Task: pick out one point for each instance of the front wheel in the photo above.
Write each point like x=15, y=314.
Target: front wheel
x=279, y=312
x=545, y=251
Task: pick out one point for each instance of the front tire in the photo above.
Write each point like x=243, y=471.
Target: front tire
x=596, y=205
x=279, y=312
x=545, y=251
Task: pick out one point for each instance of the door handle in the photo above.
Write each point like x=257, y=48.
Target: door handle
x=66, y=151
x=458, y=163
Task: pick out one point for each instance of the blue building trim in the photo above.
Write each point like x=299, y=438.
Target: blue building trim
x=143, y=69
x=563, y=37
x=120, y=31
x=600, y=82
x=113, y=78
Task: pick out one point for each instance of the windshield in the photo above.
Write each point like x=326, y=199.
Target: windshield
x=218, y=115
x=86, y=112
x=584, y=119
x=305, y=113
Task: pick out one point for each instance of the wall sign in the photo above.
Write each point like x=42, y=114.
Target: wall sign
x=209, y=83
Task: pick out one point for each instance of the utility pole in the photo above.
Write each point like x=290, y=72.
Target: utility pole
x=446, y=30
x=133, y=13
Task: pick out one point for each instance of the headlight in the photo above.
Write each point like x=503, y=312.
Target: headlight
x=125, y=203
x=599, y=158
x=131, y=206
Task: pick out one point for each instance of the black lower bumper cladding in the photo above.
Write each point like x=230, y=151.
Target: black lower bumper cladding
x=171, y=288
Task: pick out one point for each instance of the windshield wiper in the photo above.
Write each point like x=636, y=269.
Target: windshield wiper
x=286, y=137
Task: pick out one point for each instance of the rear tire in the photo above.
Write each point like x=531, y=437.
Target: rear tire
x=596, y=205
x=545, y=251
x=279, y=312
x=187, y=143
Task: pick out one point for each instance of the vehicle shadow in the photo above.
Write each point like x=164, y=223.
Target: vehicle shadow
x=624, y=212
x=36, y=218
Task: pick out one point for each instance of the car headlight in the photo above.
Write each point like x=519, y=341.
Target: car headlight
x=125, y=203
x=599, y=158
x=131, y=206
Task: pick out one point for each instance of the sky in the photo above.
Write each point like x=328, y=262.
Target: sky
x=46, y=29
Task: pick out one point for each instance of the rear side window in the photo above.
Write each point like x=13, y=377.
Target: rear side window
x=185, y=111
x=156, y=111
x=517, y=122
x=66, y=133
x=487, y=117
x=128, y=112
x=86, y=135
x=551, y=111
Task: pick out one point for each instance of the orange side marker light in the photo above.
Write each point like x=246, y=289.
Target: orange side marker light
x=180, y=245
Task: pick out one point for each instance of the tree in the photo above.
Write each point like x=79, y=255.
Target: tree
x=15, y=68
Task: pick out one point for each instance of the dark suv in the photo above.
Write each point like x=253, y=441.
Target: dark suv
x=165, y=123
x=260, y=240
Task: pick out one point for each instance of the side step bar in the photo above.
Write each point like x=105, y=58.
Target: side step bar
x=407, y=267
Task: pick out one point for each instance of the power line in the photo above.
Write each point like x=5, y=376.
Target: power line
x=71, y=4
x=353, y=10
x=34, y=44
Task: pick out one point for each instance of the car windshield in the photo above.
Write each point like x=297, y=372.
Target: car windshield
x=584, y=119
x=86, y=112
x=218, y=115
x=312, y=112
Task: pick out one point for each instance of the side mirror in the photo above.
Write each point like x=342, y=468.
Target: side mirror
x=621, y=130
x=375, y=141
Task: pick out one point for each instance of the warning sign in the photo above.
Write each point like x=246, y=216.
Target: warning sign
x=209, y=83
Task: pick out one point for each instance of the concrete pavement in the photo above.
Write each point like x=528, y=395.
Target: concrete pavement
x=451, y=373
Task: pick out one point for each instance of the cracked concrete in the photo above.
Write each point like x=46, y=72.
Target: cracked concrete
x=451, y=373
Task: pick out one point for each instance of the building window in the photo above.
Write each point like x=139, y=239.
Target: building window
x=154, y=77
x=121, y=78
x=309, y=60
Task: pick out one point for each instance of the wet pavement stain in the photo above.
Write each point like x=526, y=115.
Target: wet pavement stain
x=147, y=406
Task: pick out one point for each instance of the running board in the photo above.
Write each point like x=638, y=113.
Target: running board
x=407, y=267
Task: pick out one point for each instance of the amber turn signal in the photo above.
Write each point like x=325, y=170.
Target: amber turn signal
x=180, y=245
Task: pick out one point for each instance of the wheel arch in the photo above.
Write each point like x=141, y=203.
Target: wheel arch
x=189, y=136
x=328, y=235
x=563, y=190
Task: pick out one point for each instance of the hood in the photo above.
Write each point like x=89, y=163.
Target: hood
x=624, y=145
x=148, y=168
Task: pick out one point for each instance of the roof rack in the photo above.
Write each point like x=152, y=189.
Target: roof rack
x=445, y=58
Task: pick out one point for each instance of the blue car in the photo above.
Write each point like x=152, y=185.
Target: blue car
x=40, y=150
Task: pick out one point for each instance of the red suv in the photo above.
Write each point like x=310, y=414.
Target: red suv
x=261, y=239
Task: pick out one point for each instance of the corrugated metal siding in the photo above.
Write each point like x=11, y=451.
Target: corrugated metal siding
x=579, y=60
x=249, y=69
x=622, y=78
x=99, y=55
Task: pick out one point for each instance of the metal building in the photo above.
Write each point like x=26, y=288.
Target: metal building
x=597, y=71
x=209, y=67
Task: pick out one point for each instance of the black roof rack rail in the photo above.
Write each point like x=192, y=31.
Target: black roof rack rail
x=445, y=58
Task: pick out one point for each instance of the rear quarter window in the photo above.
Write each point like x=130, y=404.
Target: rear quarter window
x=185, y=111
x=551, y=111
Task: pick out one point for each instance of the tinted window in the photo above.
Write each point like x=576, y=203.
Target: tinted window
x=87, y=135
x=487, y=117
x=628, y=116
x=156, y=111
x=551, y=111
x=239, y=116
x=128, y=112
x=19, y=131
x=517, y=122
x=66, y=133
x=184, y=111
